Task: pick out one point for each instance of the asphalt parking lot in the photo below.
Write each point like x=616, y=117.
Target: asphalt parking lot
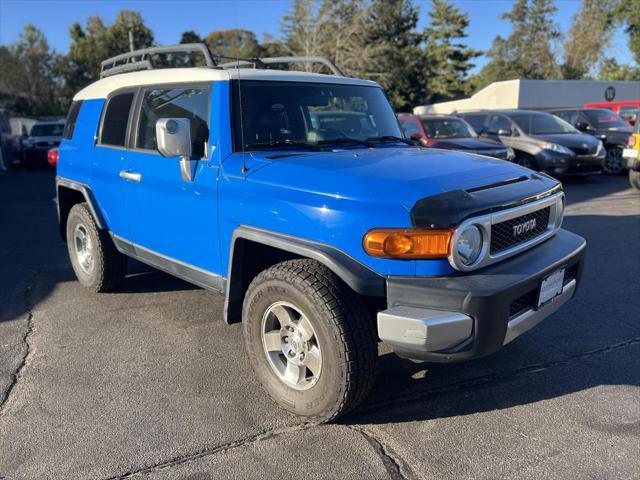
x=150, y=382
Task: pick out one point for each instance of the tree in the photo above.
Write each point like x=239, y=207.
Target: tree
x=627, y=12
x=306, y=29
x=612, y=70
x=448, y=61
x=27, y=74
x=529, y=51
x=588, y=36
x=234, y=43
x=190, y=37
x=97, y=42
x=394, y=58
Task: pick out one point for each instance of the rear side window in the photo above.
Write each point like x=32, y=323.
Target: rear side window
x=116, y=116
x=189, y=103
x=72, y=116
x=476, y=121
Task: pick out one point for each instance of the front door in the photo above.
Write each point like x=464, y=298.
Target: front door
x=173, y=221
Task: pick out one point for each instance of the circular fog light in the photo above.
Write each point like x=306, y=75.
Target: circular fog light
x=469, y=245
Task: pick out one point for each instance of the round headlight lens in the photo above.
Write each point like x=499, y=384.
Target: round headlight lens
x=469, y=245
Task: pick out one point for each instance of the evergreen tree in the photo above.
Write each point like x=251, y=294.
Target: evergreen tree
x=447, y=61
x=97, y=42
x=529, y=51
x=27, y=75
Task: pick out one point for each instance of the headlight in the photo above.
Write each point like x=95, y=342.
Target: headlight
x=469, y=245
x=510, y=153
x=554, y=147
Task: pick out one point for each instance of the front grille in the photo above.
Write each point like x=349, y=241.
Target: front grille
x=513, y=232
x=585, y=151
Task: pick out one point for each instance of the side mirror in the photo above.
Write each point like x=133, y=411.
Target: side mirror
x=174, y=140
x=416, y=136
x=505, y=132
x=582, y=126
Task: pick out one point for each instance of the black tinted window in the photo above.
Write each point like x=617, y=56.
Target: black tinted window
x=274, y=114
x=476, y=121
x=72, y=116
x=189, y=103
x=116, y=116
x=47, y=130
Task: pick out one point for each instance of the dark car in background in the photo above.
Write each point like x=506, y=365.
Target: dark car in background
x=43, y=137
x=541, y=141
x=606, y=126
x=451, y=133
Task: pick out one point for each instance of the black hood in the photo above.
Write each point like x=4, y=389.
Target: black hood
x=570, y=140
x=475, y=144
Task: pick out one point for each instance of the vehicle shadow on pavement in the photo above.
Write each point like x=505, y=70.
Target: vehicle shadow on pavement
x=142, y=278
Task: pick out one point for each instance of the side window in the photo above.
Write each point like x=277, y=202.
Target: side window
x=478, y=122
x=72, y=116
x=190, y=103
x=114, y=123
x=410, y=127
x=498, y=122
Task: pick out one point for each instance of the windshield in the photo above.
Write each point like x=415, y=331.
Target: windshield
x=541, y=124
x=47, y=130
x=448, y=128
x=604, y=118
x=274, y=115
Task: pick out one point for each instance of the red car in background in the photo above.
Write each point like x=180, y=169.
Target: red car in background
x=628, y=110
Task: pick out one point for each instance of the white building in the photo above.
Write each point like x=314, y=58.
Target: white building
x=539, y=94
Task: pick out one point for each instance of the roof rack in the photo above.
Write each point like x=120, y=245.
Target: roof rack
x=271, y=60
x=140, y=60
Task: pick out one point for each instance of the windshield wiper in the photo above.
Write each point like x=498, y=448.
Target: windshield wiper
x=392, y=138
x=345, y=141
x=287, y=142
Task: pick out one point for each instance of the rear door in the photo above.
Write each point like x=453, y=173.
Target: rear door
x=170, y=218
x=109, y=160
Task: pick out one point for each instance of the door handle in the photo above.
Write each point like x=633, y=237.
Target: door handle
x=134, y=177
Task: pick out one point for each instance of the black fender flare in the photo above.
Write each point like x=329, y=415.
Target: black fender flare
x=86, y=193
x=357, y=276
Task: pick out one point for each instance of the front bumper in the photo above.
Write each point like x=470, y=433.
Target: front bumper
x=457, y=318
x=562, y=164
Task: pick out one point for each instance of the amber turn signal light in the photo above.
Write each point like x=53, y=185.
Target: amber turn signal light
x=408, y=243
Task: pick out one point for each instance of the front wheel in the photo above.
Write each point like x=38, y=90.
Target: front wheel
x=310, y=339
x=613, y=163
x=634, y=179
x=527, y=161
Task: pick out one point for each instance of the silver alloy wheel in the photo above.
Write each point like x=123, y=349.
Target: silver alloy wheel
x=291, y=345
x=83, y=248
x=613, y=161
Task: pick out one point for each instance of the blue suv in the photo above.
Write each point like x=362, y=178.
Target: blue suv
x=296, y=197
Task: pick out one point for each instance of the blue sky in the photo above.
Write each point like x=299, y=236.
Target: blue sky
x=169, y=18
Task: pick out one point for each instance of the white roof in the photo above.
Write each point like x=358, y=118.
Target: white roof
x=102, y=88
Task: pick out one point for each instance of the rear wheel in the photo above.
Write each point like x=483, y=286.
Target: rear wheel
x=613, y=163
x=634, y=179
x=95, y=260
x=310, y=339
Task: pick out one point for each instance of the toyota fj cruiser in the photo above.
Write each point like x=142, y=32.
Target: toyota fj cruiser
x=295, y=195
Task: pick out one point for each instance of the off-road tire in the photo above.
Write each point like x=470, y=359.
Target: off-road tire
x=344, y=328
x=109, y=267
x=634, y=179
